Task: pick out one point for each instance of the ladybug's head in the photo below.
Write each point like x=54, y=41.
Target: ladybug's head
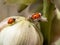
x=38, y=17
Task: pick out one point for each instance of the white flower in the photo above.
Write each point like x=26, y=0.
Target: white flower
x=22, y=32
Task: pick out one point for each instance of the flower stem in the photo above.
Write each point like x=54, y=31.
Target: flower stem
x=48, y=8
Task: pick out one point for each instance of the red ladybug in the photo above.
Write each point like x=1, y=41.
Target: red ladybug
x=36, y=15
x=11, y=20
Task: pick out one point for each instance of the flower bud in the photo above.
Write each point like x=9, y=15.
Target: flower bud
x=22, y=32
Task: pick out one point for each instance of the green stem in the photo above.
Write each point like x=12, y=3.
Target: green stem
x=46, y=26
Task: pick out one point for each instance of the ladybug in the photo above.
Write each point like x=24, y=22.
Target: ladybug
x=36, y=16
x=11, y=20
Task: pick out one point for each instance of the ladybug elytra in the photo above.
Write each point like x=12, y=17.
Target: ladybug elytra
x=36, y=15
x=11, y=20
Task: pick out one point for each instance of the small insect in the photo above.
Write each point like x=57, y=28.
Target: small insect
x=11, y=20
x=36, y=16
